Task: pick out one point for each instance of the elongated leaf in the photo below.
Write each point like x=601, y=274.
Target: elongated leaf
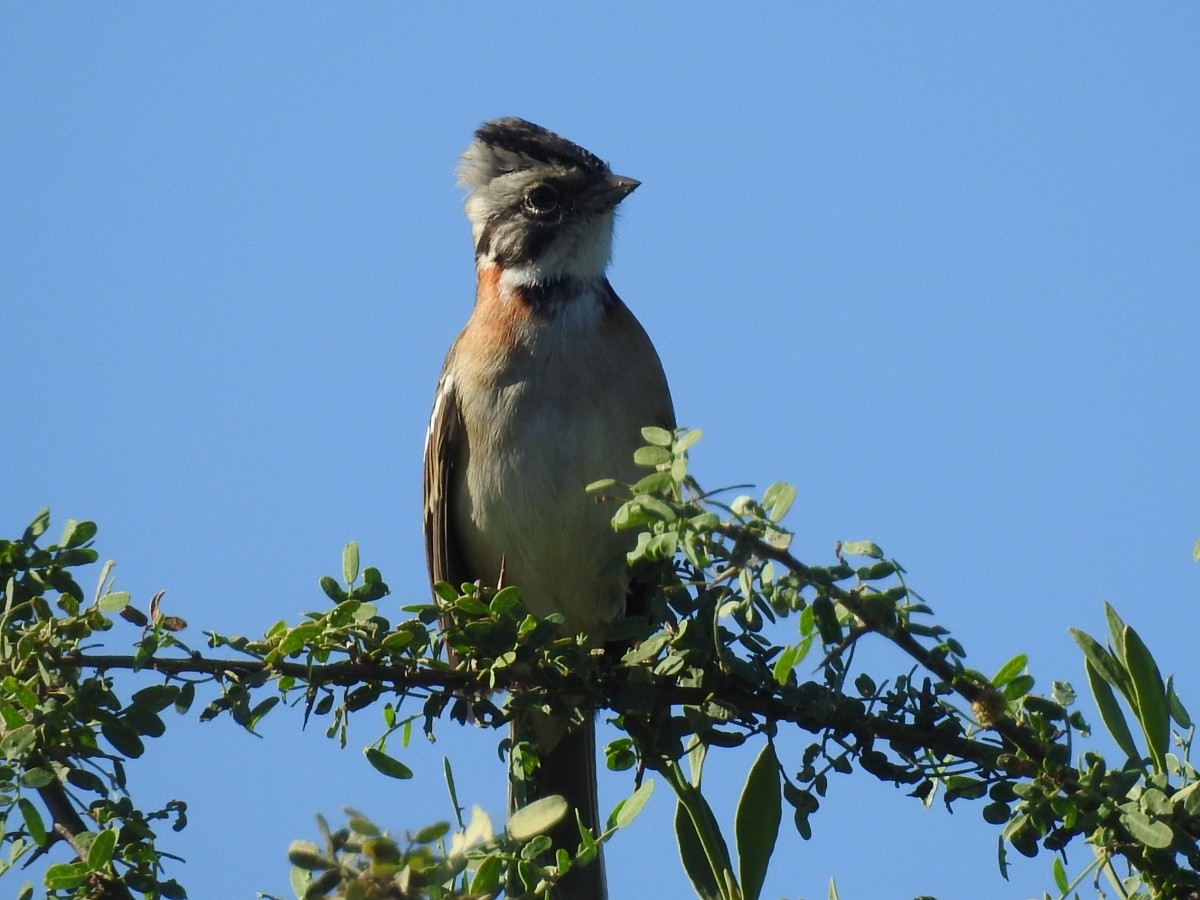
x=778, y=499
x=38, y=526
x=697, y=753
x=688, y=438
x=350, y=562
x=1178, y=712
x=627, y=809
x=1116, y=628
x=387, y=765
x=785, y=663
x=1110, y=711
x=33, y=822
x=1010, y=670
x=691, y=854
x=1105, y=664
x=862, y=548
x=756, y=823
x=1060, y=876
x=1151, y=707
x=124, y=738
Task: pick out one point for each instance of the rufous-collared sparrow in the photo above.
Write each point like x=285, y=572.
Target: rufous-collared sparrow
x=545, y=390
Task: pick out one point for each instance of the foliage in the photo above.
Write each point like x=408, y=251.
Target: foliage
x=694, y=676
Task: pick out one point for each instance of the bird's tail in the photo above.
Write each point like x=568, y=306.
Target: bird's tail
x=568, y=768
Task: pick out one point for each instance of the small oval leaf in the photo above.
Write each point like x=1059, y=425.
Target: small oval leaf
x=101, y=850
x=387, y=765
x=538, y=817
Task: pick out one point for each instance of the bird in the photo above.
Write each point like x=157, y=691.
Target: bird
x=545, y=390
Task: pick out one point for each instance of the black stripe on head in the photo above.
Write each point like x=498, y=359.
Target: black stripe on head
x=512, y=240
x=519, y=136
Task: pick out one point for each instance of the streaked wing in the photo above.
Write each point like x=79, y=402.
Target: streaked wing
x=442, y=453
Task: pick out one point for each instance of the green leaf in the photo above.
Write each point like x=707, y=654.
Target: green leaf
x=33, y=822
x=505, y=600
x=778, y=499
x=66, y=876
x=486, y=879
x=685, y=440
x=756, y=823
x=387, y=765
x=995, y=813
x=100, y=852
x=37, y=777
x=695, y=861
x=1151, y=706
x=654, y=483
x=1148, y=831
x=350, y=562
x=332, y=589
x=1105, y=664
x=862, y=548
x=306, y=856
x=1060, y=875
x=187, y=694
x=785, y=662
x=37, y=527
x=431, y=833
x=826, y=620
x=113, y=601
x=538, y=817
x=87, y=780
x=18, y=741
x=1010, y=670
x=1178, y=712
x=360, y=824
x=1018, y=687
x=260, y=710
x=1110, y=711
x=1196, y=551
x=156, y=697
x=299, y=636
x=123, y=738
x=1116, y=628
x=652, y=456
x=659, y=437
x=627, y=810
x=76, y=533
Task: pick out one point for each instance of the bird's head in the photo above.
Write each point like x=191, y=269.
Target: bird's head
x=541, y=207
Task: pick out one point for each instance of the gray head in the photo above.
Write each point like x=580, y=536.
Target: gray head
x=540, y=206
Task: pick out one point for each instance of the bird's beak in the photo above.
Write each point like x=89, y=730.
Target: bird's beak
x=611, y=191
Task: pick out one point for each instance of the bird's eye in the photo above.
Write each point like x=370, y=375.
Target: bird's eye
x=541, y=199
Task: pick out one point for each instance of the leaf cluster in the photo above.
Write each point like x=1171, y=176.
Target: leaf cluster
x=66, y=736
x=701, y=669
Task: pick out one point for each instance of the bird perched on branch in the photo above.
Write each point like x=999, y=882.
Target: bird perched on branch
x=545, y=390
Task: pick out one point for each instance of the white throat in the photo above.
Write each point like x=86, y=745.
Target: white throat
x=580, y=253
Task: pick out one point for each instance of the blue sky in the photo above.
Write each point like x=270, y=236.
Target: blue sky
x=936, y=264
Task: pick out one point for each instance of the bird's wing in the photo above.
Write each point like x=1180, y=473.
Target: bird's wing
x=443, y=452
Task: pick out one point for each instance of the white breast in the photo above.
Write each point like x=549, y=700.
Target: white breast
x=560, y=415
